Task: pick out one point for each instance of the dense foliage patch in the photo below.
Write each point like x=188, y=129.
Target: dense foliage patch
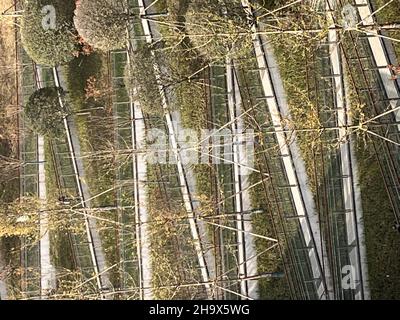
x=102, y=23
x=45, y=112
x=47, y=45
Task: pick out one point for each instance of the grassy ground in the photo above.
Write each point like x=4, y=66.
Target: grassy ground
x=60, y=248
x=96, y=131
x=95, y=121
x=304, y=113
x=190, y=99
x=262, y=195
x=194, y=115
x=271, y=261
x=383, y=243
x=172, y=252
x=389, y=14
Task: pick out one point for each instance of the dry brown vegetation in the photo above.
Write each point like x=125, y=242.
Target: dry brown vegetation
x=8, y=112
x=8, y=97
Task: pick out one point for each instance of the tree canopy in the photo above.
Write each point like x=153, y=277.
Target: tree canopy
x=218, y=30
x=45, y=112
x=49, y=44
x=102, y=23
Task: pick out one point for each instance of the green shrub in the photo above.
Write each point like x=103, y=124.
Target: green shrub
x=45, y=113
x=102, y=23
x=53, y=46
x=76, y=74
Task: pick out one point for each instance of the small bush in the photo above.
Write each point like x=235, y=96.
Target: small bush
x=45, y=113
x=77, y=73
x=53, y=46
x=102, y=23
